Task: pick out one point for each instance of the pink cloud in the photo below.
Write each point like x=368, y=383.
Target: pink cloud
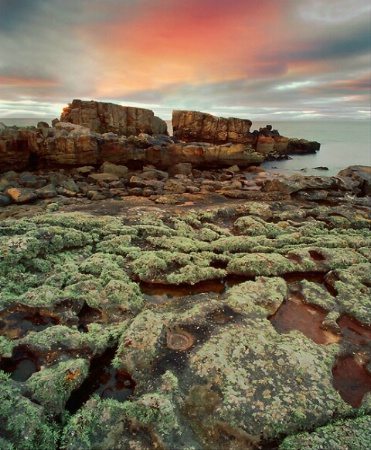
x=193, y=42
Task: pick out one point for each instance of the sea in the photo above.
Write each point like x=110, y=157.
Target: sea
x=343, y=144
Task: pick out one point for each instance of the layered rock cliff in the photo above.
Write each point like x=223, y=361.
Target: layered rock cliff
x=67, y=144
x=90, y=133
x=195, y=126
x=107, y=117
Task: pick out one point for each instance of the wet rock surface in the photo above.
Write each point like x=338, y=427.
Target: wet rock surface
x=216, y=317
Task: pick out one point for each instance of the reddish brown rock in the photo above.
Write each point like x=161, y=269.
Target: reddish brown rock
x=107, y=117
x=195, y=126
x=360, y=174
x=22, y=195
x=15, y=153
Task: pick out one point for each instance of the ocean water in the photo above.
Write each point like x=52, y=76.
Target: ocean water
x=343, y=144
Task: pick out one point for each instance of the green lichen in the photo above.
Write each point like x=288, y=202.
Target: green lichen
x=260, y=264
x=52, y=386
x=6, y=347
x=261, y=297
x=182, y=244
x=23, y=424
x=317, y=294
x=352, y=434
x=270, y=383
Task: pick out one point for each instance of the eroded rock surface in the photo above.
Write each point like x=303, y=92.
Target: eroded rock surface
x=104, y=117
x=69, y=145
x=179, y=326
x=195, y=126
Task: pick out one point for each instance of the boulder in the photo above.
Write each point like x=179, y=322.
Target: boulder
x=114, y=169
x=181, y=168
x=361, y=174
x=22, y=195
x=47, y=191
x=296, y=183
x=104, y=117
x=302, y=146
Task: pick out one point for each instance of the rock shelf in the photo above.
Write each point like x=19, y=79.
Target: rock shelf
x=167, y=294
x=182, y=312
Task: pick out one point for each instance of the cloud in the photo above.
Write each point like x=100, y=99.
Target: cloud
x=240, y=56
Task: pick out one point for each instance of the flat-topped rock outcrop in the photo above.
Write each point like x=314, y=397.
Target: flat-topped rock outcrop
x=90, y=133
x=103, y=117
x=195, y=126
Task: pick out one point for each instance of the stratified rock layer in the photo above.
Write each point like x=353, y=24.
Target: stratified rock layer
x=67, y=144
x=104, y=117
x=195, y=126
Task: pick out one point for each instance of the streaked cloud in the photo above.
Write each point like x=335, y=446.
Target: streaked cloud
x=287, y=58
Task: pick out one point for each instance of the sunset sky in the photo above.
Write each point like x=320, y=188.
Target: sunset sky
x=256, y=59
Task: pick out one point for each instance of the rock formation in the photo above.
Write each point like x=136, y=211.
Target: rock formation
x=69, y=145
x=234, y=326
x=194, y=126
x=107, y=117
x=91, y=133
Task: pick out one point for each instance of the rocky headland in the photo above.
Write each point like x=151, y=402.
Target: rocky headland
x=178, y=305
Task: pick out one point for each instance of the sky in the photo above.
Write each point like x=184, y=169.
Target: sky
x=256, y=59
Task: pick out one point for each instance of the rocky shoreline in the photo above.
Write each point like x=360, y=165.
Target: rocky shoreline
x=184, y=307
x=91, y=133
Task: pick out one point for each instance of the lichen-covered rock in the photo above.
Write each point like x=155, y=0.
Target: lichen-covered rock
x=53, y=386
x=350, y=433
x=291, y=375
x=23, y=423
x=170, y=315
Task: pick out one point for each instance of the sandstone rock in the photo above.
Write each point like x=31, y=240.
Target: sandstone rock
x=296, y=183
x=194, y=126
x=102, y=177
x=15, y=152
x=84, y=170
x=233, y=169
x=47, y=191
x=153, y=174
x=66, y=192
x=108, y=117
x=136, y=181
x=180, y=168
x=22, y=195
x=175, y=187
x=362, y=174
x=114, y=169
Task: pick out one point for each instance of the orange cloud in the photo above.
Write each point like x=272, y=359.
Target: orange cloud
x=6, y=81
x=194, y=42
